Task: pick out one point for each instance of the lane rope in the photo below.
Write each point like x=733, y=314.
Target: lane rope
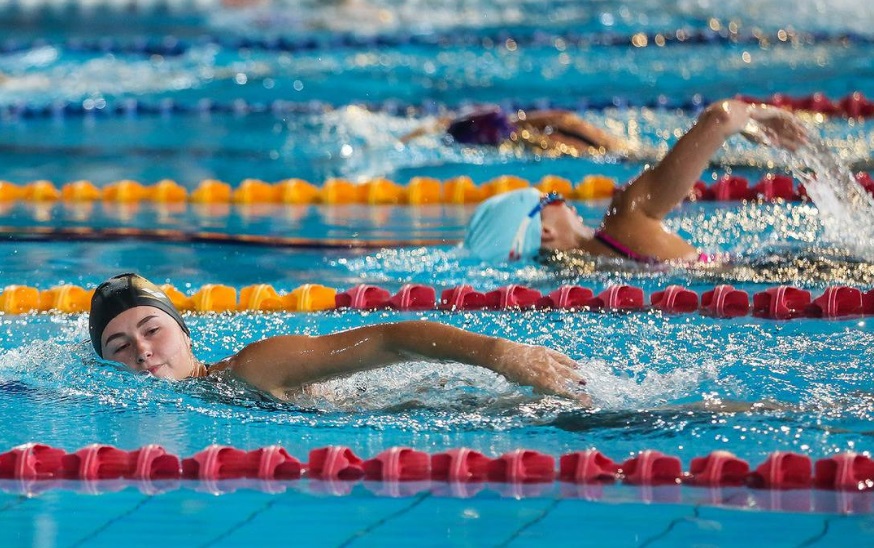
x=781, y=302
x=853, y=105
x=39, y=467
x=169, y=45
x=382, y=191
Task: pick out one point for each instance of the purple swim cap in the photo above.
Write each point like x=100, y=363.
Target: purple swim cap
x=482, y=127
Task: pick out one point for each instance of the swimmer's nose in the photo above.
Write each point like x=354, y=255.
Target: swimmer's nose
x=143, y=353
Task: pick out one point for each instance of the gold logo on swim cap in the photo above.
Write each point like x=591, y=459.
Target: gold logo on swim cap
x=156, y=294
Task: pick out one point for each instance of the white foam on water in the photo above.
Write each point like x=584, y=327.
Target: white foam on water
x=845, y=207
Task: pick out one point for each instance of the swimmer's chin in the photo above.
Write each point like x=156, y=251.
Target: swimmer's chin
x=160, y=372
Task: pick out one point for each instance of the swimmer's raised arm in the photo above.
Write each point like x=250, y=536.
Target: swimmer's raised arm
x=279, y=364
x=658, y=190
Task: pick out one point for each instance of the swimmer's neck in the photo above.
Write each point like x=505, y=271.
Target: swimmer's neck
x=199, y=370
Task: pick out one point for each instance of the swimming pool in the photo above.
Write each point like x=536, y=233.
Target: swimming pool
x=88, y=101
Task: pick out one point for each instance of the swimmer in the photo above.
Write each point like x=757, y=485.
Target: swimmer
x=134, y=323
x=522, y=223
x=548, y=132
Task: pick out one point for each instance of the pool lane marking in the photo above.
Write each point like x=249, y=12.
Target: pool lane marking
x=821, y=535
x=118, y=517
x=86, y=234
x=420, y=498
x=534, y=521
x=673, y=523
x=248, y=519
x=13, y=503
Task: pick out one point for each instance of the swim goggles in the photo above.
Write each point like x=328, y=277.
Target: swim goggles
x=519, y=239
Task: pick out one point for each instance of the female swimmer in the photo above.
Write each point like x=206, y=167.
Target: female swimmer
x=134, y=323
x=522, y=223
x=548, y=132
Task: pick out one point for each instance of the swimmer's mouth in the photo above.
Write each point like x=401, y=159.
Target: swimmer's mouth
x=153, y=369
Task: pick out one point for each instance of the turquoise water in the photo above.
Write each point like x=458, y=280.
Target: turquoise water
x=68, y=112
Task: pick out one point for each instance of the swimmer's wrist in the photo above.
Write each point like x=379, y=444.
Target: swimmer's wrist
x=495, y=352
x=728, y=116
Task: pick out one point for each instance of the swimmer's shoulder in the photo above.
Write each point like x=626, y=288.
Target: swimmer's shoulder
x=252, y=372
x=225, y=364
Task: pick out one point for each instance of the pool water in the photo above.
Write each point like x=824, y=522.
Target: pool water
x=279, y=90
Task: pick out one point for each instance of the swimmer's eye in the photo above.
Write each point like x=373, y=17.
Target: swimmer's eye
x=119, y=349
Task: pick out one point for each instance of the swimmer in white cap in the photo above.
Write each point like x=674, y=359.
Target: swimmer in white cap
x=521, y=223
x=134, y=323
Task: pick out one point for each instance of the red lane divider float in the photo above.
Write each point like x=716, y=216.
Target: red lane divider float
x=398, y=464
x=717, y=469
x=723, y=301
x=567, y=297
x=335, y=463
x=675, y=299
x=781, y=303
x=836, y=302
x=463, y=297
x=414, y=297
x=771, y=187
x=854, y=105
x=363, y=297
x=522, y=466
x=589, y=466
x=780, y=471
x=218, y=462
x=652, y=468
x=460, y=465
x=783, y=470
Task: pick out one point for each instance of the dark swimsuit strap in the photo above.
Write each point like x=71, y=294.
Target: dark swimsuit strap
x=622, y=249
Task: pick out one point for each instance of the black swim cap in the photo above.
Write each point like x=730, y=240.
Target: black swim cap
x=121, y=293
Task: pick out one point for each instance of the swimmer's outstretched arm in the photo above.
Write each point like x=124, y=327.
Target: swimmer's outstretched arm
x=573, y=125
x=279, y=364
x=657, y=191
x=440, y=125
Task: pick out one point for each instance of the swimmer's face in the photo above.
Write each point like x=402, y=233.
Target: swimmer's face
x=148, y=340
x=561, y=227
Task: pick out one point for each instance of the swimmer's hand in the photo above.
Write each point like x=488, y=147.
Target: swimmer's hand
x=546, y=370
x=773, y=126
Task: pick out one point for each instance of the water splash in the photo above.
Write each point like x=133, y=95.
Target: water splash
x=845, y=208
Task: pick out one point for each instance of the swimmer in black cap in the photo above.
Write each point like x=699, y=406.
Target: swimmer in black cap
x=134, y=323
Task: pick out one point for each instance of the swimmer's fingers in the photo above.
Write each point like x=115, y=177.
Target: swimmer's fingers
x=776, y=127
x=562, y=377
x=568, y=366
x=789, y=133
x=545, y=370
